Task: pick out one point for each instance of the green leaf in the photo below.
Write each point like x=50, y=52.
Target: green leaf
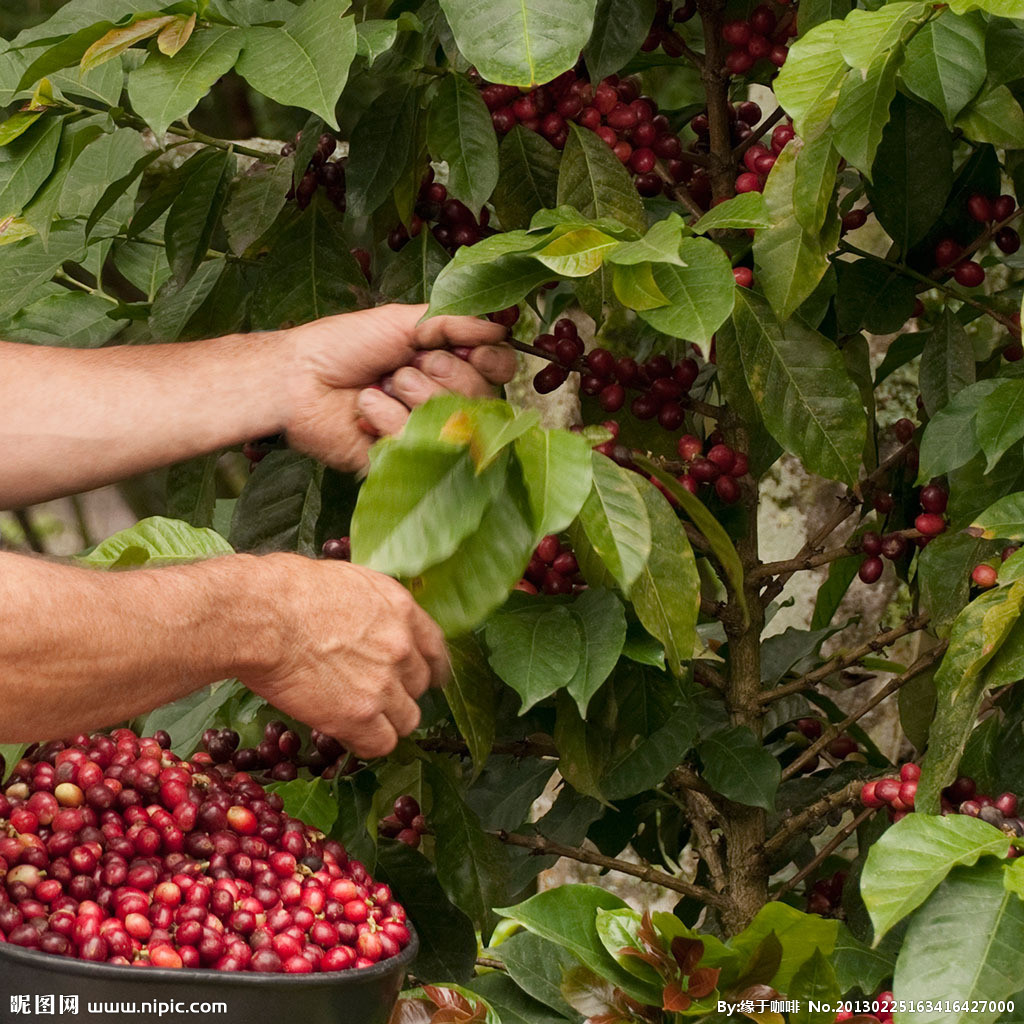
x=175, y=305
x=742, y=212
x=863, y=110
x=467, y=285
x=620, y=26
x=815, y=982
x=738, y=767
x=156, y=541
x=576, y=253
x=905, y=203
x=872, y=296
x=117, y=189
x=26, y=265
x=1002, y=521
x=279, y=506
x=947, y=363
x=195, y=214
x=995, y=117
x=531, y=651
x=857, y=965
x=815, y=12
x=459, y=131
x=471, y=698
x=567, y=916
x=410, y=275
x=943, y=572
x=17, y=124
x=635, y=288
x=594, y=182
x=63, y=53
x=255, y=202
x=558, y=474
x=510, y=1002
x=471, y=866
x=950, y=438
x=186, y=719
x=801, y=387
x=911, y=858
x=309, y=800
x=666, y=595
x=26, y=163
x=867, y=35
x=1000, y=420
x=616, y=524
x=815, y=182
x=659, y=245
x=447, y=941
x=945, y=63
x=618, y=930
x=789, y=262
x=520, y=42
x=601, y=623
x=67, y=320
x=841, y=573
x=305, y=62
x=527, y=177
x=419, y=503
x=375, y=36
x=192, y=490
x=309, y=272
x=808, y=84
x=537, y=965
x=700, y=294
x=988, y=923
x=582, y=749
x=166, y=88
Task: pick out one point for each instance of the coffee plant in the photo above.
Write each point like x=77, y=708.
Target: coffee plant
x=730, y=239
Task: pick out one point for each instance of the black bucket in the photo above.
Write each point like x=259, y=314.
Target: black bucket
x=36, y=987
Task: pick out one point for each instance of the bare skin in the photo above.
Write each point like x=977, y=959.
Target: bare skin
x=340, y=647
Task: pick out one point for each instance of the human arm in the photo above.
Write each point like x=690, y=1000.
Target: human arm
x=342, y=648
x=74, y=419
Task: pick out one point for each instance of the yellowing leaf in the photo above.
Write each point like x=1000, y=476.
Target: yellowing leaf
x=117, y=40
x=176, y=35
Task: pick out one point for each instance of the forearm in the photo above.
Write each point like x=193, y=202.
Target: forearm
x=74, y=420
x=81, y=649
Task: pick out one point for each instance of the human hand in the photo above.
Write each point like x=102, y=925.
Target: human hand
x=353, y=652
x=335, y=363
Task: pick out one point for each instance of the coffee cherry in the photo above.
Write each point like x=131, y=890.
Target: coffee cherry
x=871, y=569
x=743, y=276
x=1007, y=240
x=934, y=499
x=737, y=33
x=894, y=546
x=842, y=746
x=871, y=543
x=980, y=208
x=1003, y=207
x=904, y=430
x=854, y=219
x=947, y=251
x=969, y=274
x=727, y=489
x=984, y=576
x=550, y=379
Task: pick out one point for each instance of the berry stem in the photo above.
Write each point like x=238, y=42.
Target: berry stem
x=819, y=558
x=759, y=132
x=679, y=191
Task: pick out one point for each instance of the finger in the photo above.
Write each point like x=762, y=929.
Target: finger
x=430, y=642
x=496, y=362
x=403, y=712
x=384, y=414
x=375, y=739
x=438, y=372
x=439, y=331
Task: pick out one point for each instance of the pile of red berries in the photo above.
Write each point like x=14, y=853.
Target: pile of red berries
x=552, y=570
x=280, y=753
x=114, y=850
x=885, y=1003
x=662, y=33
x=450, y=221
x=759, y=37
x=321, y=171
x=713, y=463
x=896, y=793
x=984, y=210
x=406, y=823
x=825, y=897
x=985, y=574
x=759, y=160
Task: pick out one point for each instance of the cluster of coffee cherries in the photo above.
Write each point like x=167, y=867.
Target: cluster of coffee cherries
x=712, y=463
x=553, y=569
x=280, y=754
x=929, y=523
x=986, y=575
x=405, y=823
x=897, y=793
x=113, y=850
x=662, y=34
x=825, y=897
x=613, y=109
x=984, y=210
x=886, y=1003
x=762, y=36
x=321, y=171
x=759, y=159
x=450, y=221
x=840, y=748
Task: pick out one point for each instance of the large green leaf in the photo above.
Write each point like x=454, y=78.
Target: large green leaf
x=945, y=63
x=533, y=649
x=808, y=84
x=26, y=163
x=1000, y=420
x=801, y=387
x=857, y=965
x=175, y=305
x=511, y=1003
x=576, y=253
x=995, y=117
x=468, y=286
x=470, y=694
x=582, y=748
x=872, y=296
x=944, y=576
x=527, y=177
x=156, y=541
x=700, y=294
x=537, y=965
x=738, y=767
x=26, y=265
x=666, y=595
x=863, y=110
x=166, y=88
x=789, y=261
x=459, y=131
x=594, y=182
x=814, y=185
x=815, y=984
x=303, y=63
x=947, y=363
x=746, y=210
x=987, y=921
x=310, y=800
x=521, y=42
x=616, y=524
x=410, y=275
x=309, y=272
x=1004, y=520
x=868, y=34
x=950, y=438
x=192, y=490
x=912, y=857
x=558, y=474
x=905, y=202
x=600, y=620
x=471, y=866
x=195, y=214
x=67, y=319
x=620, y=26
x=255, y=201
